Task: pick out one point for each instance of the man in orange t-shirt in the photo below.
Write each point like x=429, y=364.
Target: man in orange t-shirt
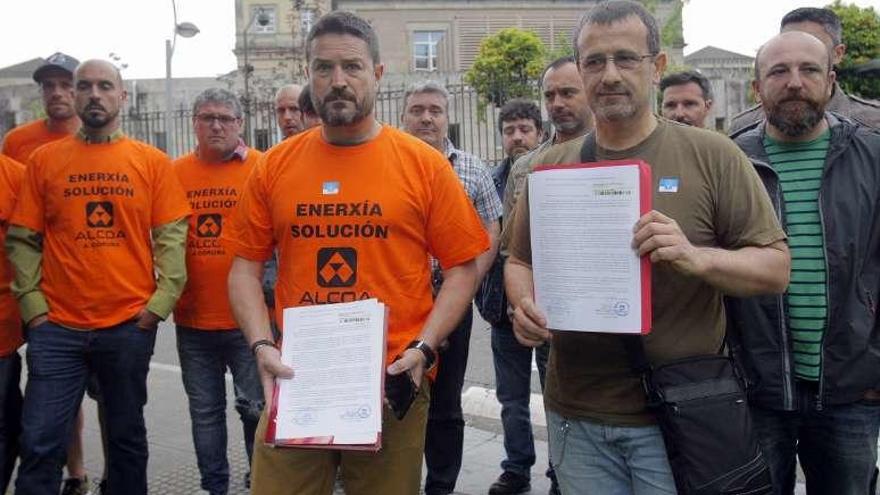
x=11, y=174
x=355, y=209
x=97, y=242
x=208, y=339
x=55, y=78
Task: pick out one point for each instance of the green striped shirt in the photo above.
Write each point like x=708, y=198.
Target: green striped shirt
x=800, y=167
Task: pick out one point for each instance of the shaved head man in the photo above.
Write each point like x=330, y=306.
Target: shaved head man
x=825, y=25
x=794, y=77
x=287, y=110
x=110, y=203
x=810, y=352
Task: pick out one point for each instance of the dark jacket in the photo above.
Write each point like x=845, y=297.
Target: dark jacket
x=859, y=109
x=490, y=299
x=848, y=205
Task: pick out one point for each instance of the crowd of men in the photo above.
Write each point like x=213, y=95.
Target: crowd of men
x=765, y=244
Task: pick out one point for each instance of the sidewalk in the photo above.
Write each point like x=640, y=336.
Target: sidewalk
x=172, y=467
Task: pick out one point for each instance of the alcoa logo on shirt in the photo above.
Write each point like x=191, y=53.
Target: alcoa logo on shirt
x=100, y=220
x=206, y=241
x=99, y=214
x=209, y=225
x=337, y=267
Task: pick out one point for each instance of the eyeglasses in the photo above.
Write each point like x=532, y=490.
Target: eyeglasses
x=209, y=119
x=622, y=60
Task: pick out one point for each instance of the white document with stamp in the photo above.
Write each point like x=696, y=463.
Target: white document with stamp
x=587, y=276
x=337, y=352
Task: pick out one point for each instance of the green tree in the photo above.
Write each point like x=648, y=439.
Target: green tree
x=507, y=66
x=861, y=34
x=671, y=34
x=563, y=47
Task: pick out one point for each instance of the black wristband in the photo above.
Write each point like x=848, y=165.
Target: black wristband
x=260, y=343
x=429, y=353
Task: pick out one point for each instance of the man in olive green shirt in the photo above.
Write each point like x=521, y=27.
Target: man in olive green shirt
x=713, y=231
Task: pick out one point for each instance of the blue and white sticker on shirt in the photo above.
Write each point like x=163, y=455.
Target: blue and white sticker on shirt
x=330, y=187
x=668, y=185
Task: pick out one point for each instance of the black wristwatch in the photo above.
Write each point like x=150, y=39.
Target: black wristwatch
x=429, y=353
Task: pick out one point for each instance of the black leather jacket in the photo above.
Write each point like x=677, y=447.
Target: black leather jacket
x=848, y=206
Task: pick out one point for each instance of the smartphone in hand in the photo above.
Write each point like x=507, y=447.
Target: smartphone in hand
x=400, y=392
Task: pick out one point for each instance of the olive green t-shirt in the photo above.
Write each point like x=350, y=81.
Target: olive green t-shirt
x=712, y=191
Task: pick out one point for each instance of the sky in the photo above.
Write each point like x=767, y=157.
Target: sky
x=135, y=30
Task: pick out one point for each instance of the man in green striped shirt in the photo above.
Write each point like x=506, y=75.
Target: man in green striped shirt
x=799, y=166
x=813, y=354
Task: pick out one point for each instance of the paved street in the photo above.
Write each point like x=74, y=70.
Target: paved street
x=172, y=468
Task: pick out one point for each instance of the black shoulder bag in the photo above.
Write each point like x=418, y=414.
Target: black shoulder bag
x=701, y=407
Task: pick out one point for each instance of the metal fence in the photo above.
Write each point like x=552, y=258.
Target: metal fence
x=471, y=127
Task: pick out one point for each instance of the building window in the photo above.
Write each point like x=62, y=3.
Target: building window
x=307, y=19
x=425, y=49
x=264, y=19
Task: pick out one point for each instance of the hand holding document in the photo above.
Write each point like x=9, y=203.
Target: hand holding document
x=334, y=400
x=587, y=275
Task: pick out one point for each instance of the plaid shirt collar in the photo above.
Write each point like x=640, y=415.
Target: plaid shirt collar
x=449, y=151
x=240, y=152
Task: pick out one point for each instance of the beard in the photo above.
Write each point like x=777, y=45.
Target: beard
x=339, y=117
x=568, y=125
x=59, y=113
x=795, y=116
x=97, y=120
x=622, y=106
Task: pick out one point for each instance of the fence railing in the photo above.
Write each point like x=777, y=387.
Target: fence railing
x=471, y=127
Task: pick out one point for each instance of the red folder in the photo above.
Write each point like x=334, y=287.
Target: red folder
x=325, y=442
x=645, y=201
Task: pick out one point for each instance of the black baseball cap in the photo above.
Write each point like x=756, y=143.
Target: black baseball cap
x=56, y=61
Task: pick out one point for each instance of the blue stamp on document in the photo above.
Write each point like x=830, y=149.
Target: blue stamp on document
x=621, y=308
x=668, y=185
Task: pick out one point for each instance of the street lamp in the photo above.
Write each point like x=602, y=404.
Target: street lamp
x=262, y=19
x=186, y=30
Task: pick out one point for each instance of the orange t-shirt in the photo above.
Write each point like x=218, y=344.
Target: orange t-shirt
x=96, y=205
x=20, y=142
x=213, y=190
x=357, y=222
x=11, y=175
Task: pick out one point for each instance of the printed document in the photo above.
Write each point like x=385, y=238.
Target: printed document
x=337, y=352
x=587, y=276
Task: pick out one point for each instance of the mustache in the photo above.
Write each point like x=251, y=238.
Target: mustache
x=617, y=89
x=336, y=95
x=95, y=106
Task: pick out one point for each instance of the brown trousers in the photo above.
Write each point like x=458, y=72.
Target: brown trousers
x=395, y=470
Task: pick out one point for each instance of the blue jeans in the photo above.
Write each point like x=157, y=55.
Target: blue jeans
x=609, y=460
x=513, y=382
x=837, y=445
x=59, y=362
x=204, y=358
x=10, y=415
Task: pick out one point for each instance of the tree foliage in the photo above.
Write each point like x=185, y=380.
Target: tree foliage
x=671, y=34
x=563, y=47
x=861, y=34
x=507, y=66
